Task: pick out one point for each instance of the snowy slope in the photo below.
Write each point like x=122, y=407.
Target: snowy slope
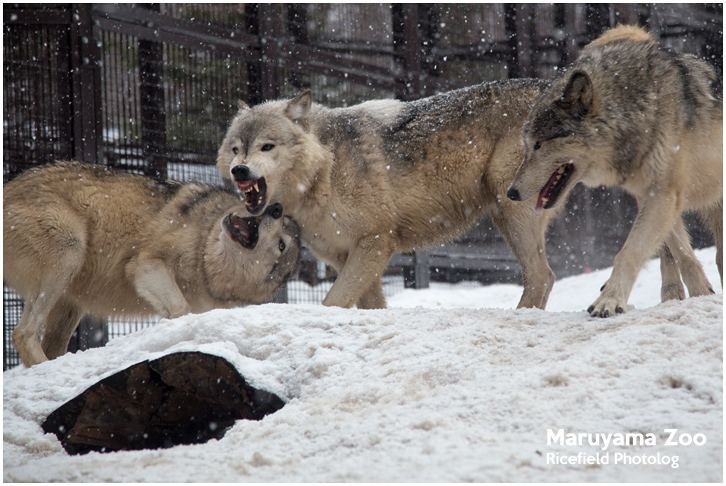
x=449, y=384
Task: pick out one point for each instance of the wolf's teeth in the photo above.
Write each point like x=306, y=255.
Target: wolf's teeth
x=561, y=170
x=256, y=187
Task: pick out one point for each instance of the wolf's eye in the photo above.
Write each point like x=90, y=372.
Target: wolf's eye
x=235, y=150
x=537, y=145
x=281, y=245
x=267, y=147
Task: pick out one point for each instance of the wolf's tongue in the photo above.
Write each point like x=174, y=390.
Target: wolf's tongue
x=544, y=194
x=241, y=225
x=551, y=191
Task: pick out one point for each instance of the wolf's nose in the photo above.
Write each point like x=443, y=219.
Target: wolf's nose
x=513, y=194
x=275, y=211
x=241, y=173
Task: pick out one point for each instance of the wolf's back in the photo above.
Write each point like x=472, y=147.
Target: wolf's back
x=624, y=33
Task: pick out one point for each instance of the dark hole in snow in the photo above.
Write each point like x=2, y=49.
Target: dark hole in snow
x=182, y=398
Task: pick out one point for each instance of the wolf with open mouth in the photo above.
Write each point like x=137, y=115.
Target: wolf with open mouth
x=81, y=238
x=386, y=176
x=632, y=114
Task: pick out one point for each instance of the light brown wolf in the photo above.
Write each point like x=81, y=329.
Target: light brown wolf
x=386, y=176
x=633, y=114
x=82, y=238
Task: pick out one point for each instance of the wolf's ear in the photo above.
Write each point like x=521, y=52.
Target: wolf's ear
x=242, y=105
x=298, y=108
x=578, y=96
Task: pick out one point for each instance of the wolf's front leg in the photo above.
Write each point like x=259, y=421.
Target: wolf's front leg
x=156, y=284
x=42, y=306
x=524, y=233
x=27, y=335
x=359, y=279
x=373, y=298
x=653, y=223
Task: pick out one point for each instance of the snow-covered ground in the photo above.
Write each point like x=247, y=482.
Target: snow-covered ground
x=448, y=384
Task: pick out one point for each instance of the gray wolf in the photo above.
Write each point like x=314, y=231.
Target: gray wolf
x=80, y=238
x=386, y=176
x=633, y=114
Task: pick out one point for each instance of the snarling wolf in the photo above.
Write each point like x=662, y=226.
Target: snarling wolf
x=371, y=180
x=633, y=114
x=81, y=238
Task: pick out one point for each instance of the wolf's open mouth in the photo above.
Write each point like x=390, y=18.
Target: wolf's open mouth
x=551, y=191
x=255, y=192
x=244, y=231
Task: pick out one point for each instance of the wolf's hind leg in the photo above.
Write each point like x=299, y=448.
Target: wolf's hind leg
x=679, y=245
x=38, y=307
x=26, y=336
x=671, y=287
x=62, y=238
x=714, y=218
x=61, y=323
x=524, y=232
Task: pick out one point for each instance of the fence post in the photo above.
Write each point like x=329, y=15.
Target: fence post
x=269, y=18
x=86, y=87
x=87, y=125
x=520, y=29
x=568, y=48
x=91, y=332
x=598, y=18
x=407, y=45
x=429, y=20
x=265, y=77
x=422, y=270
x=297, y=15
x=153, y=112
x=280, y=296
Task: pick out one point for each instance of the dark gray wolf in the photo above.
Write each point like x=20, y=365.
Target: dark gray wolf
x=386, y=176
x=81, y=238
x=632, y=114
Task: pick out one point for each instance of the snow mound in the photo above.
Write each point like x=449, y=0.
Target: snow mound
x=445, y=392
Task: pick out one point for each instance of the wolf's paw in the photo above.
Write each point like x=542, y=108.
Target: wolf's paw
x=673, y=291
x=606, y=307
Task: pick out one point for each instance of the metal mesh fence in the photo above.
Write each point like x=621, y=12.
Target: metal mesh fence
x=35, y=97
x=12, y=310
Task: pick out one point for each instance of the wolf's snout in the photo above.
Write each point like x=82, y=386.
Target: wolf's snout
x=275, y=211
x=513, y=194
x=241, y=173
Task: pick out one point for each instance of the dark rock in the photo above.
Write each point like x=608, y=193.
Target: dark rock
x=182, y=398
